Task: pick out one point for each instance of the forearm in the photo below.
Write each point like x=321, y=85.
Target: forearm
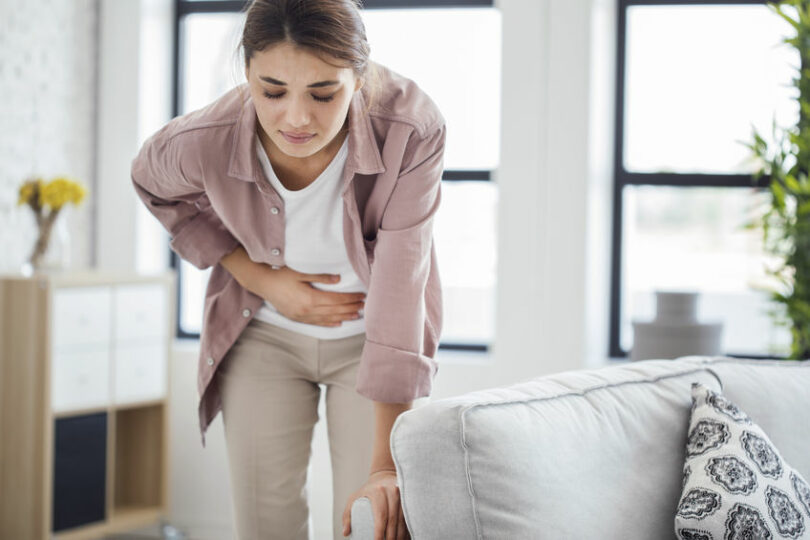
x=384, y=416
x=242, y=268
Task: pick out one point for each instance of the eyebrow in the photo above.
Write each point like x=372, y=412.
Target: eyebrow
x=271, y=80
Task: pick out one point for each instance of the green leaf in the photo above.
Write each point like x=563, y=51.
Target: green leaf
x=778, y=194
x=794, y=41
x=801, y=307
x=794, y=23
x=804, y=184
x=791, y=183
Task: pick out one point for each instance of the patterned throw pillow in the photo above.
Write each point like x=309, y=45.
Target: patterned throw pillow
x=735, y=483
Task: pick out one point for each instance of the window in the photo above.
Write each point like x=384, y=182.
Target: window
x=457, y=62
x=693, y=77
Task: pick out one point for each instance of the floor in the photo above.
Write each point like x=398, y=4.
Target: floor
x=163, y=531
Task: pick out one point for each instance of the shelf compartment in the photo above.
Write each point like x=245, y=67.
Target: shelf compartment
x=79, y=470
x=139, y=458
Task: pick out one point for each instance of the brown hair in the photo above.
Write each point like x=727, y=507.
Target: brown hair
x=331, y=29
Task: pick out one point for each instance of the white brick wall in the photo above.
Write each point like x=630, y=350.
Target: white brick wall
x=47, y=113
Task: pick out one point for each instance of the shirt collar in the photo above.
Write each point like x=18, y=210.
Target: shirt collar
x=364, y=156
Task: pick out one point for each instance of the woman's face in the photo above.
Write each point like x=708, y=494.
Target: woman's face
x=311, y=98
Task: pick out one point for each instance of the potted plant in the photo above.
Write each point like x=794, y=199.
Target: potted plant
x=785, y=221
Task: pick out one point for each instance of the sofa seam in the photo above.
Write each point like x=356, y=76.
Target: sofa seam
x=468, y=474
x=716, y=376
x=753, y=361
x=586, y=390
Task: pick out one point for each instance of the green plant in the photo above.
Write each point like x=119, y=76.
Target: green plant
x=786, y=221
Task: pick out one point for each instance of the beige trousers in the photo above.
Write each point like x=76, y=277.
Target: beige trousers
x=270, y=387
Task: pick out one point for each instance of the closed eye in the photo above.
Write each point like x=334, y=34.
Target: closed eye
x=316, y=98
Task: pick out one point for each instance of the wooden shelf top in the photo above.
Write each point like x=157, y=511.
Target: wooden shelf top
x=89, y=276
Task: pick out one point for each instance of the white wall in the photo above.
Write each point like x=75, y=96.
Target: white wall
x=47, y=114
x=554, y=214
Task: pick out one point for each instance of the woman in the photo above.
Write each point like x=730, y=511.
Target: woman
x=311, y=191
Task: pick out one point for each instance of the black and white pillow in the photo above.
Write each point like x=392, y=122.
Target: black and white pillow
x=735, y=483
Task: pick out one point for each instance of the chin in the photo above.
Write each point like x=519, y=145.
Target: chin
x=295, y=150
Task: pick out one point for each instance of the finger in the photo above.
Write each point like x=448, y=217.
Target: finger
x=331, y=298
x=393, y=517
x=347, y=517
x=329, y=319
x=379, y=509
x=402, y=529
x=319, y=278
x=338, y=309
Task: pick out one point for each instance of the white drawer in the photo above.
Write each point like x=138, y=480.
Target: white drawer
x=140, y=372
x=140, y=311
x=80, y=378
x=81, y=316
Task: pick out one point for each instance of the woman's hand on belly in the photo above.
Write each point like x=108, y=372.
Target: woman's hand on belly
x=293, y=295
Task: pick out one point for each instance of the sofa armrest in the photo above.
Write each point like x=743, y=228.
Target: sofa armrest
x=362, y=520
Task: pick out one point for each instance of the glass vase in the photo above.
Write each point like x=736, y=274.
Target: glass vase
x=51, y=252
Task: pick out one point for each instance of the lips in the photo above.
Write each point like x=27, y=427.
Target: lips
x=297, y=137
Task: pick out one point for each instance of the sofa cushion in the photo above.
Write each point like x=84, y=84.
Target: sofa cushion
x=736, y=483
x=579, y=454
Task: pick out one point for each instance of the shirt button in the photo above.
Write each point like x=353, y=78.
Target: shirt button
x=275, y=251
x=245, y=313
x=274, y=210
x=210, y=361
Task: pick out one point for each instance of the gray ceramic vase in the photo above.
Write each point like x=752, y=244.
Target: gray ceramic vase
x=675, y=331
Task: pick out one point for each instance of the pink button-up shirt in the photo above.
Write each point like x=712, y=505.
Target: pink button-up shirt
x=200, y=177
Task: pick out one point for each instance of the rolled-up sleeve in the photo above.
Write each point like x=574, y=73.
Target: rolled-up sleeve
x=393, y=366
x=179, y=202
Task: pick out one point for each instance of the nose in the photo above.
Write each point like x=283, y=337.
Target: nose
x=298, y=113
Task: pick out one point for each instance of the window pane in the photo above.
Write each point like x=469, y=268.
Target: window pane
x=692, y=239
x=697, y=77
x=466, y=248
x=209, y=67
x=192, y=296
x=210, y=63
x=457, y=61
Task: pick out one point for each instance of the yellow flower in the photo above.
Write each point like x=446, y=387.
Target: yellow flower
x=61, y=190
x=29, y=190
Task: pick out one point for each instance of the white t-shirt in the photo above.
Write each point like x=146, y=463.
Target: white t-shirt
x=314, y=244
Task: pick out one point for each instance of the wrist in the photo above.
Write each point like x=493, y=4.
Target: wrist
x=239, y=264
x=372, y=473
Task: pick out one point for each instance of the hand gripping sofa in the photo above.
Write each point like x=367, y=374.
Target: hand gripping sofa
x=585, y=454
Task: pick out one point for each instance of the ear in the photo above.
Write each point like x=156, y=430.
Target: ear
x=359, y=84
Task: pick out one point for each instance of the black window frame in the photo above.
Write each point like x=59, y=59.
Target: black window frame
x=183, y=8
x=623, y=178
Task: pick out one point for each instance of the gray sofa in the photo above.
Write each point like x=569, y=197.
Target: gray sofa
x=581, y=454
